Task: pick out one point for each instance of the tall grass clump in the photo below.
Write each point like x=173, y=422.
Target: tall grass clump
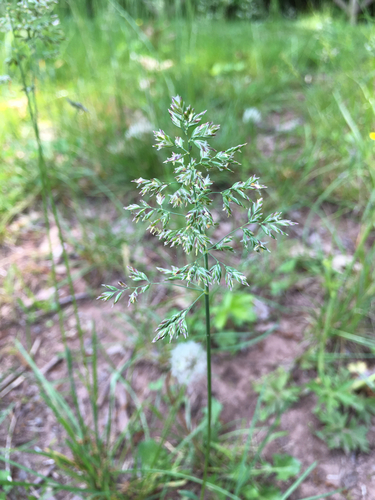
x=182, y=217
x=36, y=35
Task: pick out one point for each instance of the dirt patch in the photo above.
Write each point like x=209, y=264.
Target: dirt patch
x=233, y=374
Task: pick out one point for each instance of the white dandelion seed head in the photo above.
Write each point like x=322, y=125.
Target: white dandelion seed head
x=139, y=129
x=188, y=362
x=252, y=115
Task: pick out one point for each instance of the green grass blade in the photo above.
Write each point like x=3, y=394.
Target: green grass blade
x=73, y=390
x=324, y=495
x=53, y=399
x=295, y=485
x=241, y=475
x=94, y=393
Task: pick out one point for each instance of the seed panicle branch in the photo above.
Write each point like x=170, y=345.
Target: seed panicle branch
x=192, y=158
x=35, y=27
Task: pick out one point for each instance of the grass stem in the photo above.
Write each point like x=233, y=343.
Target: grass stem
x=209, y=392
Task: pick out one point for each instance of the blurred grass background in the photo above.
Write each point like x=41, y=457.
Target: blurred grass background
x=124, y=69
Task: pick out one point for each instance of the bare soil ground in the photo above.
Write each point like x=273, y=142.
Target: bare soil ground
x=25, y=257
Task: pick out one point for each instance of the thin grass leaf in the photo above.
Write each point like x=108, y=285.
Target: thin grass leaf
x=295, y=485
x=210, y=486
x=53, y=398
x=324, y=495
x=73, y=391
x=241, y=476
x=362, y=340
x=118, y=377
x=94, y=393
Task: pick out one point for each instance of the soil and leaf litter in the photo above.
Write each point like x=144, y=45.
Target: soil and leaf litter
x=109, y=388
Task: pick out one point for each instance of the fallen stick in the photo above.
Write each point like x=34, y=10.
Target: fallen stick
x=20, y=379
x=8, y=445
x=64, y=301
x=17, y=373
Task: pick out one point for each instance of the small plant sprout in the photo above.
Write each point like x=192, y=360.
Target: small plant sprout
x=190, y=199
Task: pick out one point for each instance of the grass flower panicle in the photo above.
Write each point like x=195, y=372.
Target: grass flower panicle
x=195, y=157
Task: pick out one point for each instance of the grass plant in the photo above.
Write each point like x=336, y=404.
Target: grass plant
x=192, y=200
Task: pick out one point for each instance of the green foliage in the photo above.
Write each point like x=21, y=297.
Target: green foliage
x=326, y=160
x=278, y=395
x=150, y=455
x=343, y=432
x=237, y=307
x=262, y=493
x=235, y=310
x=4, y=478
x=285, y=467
x=35, y=28
x=240, y=9
x=345, y=413
x=348, y=296
x=94, y=465
x=210, y=9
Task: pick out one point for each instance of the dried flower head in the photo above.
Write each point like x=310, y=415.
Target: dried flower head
x=188, y=362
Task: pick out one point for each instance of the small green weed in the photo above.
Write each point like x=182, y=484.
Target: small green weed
x=278, y=395
x=343, y=432
x=236, y=308
x=345, y=413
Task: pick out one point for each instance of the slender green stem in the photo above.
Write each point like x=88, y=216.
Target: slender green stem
x=166, y=283
x=209, y=392
x=228, y=234
x=325, y=333
x=47, y=195
x=34, y=120
x=173, y=213
x=198, y=289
